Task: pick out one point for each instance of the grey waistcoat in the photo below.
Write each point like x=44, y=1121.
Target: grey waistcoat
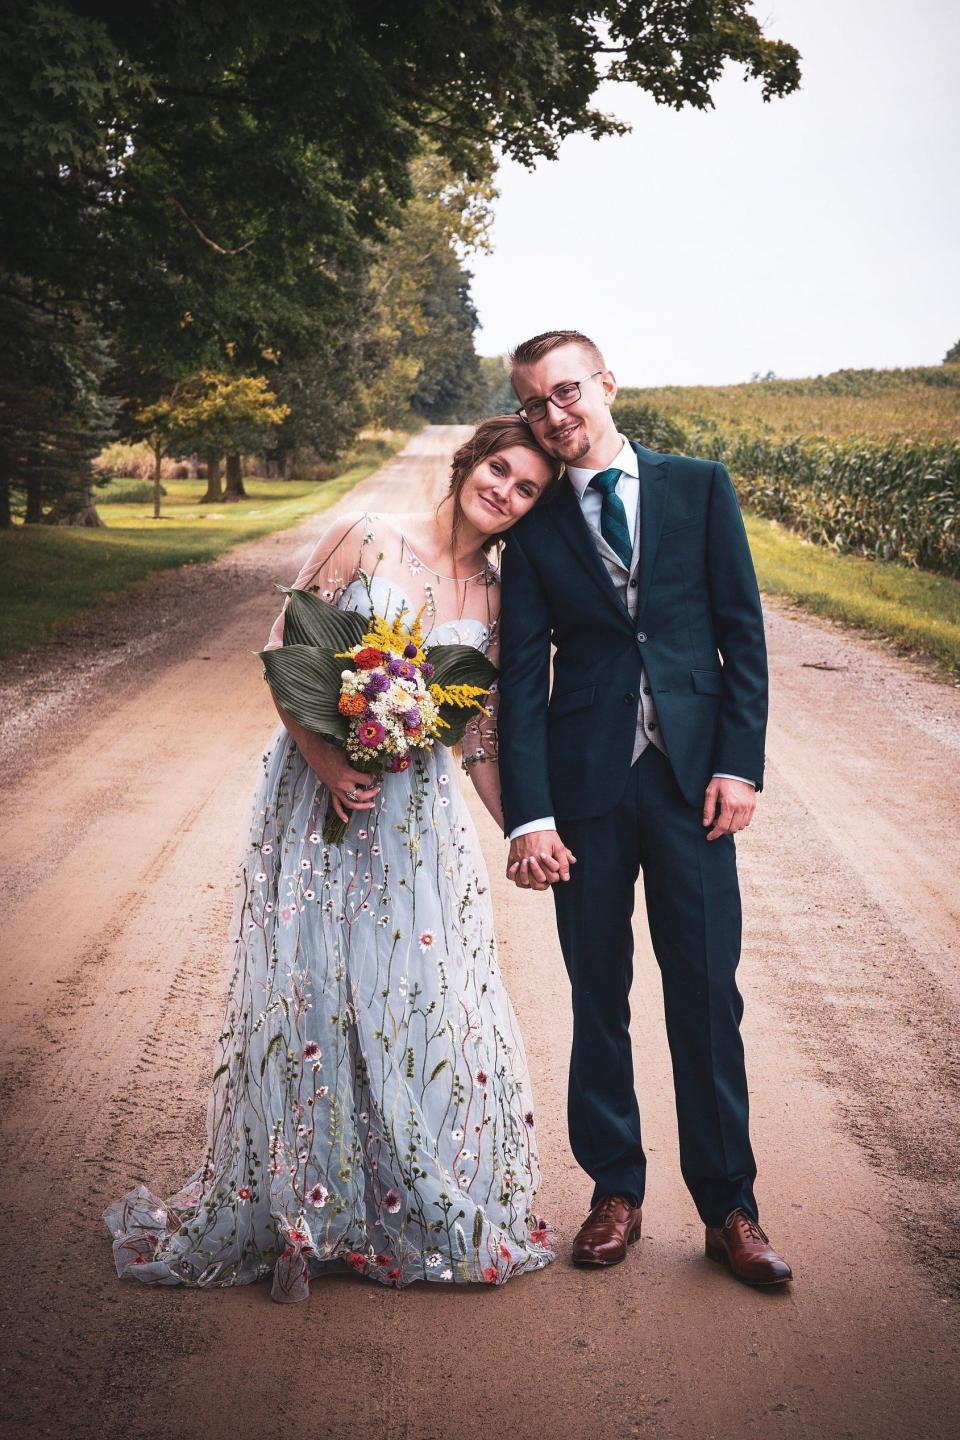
x=648, y=727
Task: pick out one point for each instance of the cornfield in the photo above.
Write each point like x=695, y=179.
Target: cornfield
x=867, y=462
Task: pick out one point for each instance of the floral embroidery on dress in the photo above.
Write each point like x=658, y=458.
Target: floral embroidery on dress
x=370, y=1107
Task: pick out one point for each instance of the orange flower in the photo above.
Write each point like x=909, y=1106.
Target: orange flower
x=351, y=704
x=368, y=658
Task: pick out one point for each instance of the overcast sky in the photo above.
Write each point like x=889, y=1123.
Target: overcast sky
x=800, y=236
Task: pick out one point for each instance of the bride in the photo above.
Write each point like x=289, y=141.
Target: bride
x=370, y=1107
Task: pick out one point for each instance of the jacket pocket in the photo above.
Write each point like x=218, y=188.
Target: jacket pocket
x=707, y=682
x=569, y=700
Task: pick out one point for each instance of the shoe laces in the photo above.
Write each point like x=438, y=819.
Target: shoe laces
x=606, y=1203
x=751, y=1226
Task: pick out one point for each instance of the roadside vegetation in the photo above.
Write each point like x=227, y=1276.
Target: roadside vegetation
x=859, y=471
x=50, y=574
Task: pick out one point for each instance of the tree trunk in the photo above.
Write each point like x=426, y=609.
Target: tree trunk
x=213, y=481
x=157, y=462
x=234, y=490
x=6, y=519
x=76, y=507
x=34, y=510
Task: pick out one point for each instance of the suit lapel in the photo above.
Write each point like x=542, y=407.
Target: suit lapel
x=654, y=483
x=567, y=516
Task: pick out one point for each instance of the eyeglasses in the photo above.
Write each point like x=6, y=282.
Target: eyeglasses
x=564, y=395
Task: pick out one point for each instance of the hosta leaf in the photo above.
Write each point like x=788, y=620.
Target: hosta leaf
x=461, y=665
x=457, y=718
x=305, y=681
x=308, y=620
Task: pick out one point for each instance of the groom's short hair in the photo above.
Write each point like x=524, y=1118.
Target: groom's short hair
x=530, y=351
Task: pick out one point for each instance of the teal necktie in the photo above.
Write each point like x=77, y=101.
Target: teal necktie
x=613, y=517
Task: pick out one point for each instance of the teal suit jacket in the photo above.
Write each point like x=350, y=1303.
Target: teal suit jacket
x=566, y=750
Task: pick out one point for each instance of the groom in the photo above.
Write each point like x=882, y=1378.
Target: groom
x=646, y=755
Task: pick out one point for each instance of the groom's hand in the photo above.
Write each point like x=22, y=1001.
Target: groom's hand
x=538, y=860
x=728, y=806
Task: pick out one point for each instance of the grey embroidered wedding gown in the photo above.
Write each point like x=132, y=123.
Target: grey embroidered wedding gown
x=370, y=1106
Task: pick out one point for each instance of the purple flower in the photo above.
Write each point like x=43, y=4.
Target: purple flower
x=411, y=717
x=376, y=685
x=426, y=670
x=402, y=669
x=371, y=734
x=410, y=651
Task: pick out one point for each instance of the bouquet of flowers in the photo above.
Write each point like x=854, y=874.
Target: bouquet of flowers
x=372, y=686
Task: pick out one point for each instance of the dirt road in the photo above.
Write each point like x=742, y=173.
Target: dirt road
x=130, y=751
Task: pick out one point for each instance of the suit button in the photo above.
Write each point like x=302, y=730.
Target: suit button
x=633, y=584
x=629, y=698
x=646, y=689
x=641, y=636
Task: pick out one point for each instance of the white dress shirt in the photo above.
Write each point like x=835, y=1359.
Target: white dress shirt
x=591, y=503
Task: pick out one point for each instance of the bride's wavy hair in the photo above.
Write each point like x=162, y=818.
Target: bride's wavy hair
x=497, y=432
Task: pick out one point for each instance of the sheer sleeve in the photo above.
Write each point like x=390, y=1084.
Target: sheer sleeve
x=331, y=565
x=480, y=737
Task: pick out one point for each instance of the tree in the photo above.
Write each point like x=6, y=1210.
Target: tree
x=204, y=176
x=54, y=416
x=953, y=355
x=213, y=414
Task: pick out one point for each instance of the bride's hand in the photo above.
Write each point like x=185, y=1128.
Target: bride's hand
x=350, y=789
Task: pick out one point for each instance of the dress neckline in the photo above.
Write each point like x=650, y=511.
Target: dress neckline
x=457, y=579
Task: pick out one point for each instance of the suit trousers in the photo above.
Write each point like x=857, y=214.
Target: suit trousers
x=693, y=910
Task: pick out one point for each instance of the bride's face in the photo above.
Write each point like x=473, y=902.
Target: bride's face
x=503, y=487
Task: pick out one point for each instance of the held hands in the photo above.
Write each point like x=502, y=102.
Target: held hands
x=538, y=860
x=728, y=806
x=350, y=789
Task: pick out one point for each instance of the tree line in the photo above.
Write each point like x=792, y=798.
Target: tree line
x=237, y=227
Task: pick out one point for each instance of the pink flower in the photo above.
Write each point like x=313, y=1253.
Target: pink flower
x=540, y=1236
x=311, y=1051
x=371, y=734
x=427, y=939
x=481, y=1077
x=318, y=1195
x=357, y=1259
x=491, y=1275
x=244, y=1193
x=391, y=1202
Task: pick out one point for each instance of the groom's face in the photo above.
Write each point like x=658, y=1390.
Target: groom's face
x=570, y=432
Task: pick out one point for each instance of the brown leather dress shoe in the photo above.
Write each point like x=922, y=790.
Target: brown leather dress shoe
x=740, y=1243
x=612, y=1225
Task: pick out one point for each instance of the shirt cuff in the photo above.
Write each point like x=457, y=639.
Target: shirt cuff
x=719, y=775
x=547, y=823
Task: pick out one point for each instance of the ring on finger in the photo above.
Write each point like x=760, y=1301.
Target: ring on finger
x=352, y=795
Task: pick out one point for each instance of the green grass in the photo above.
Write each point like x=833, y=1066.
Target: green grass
x=917, y=609
x=48, y=575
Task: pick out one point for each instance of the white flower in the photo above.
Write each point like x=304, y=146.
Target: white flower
x=260, y=876
x=314, y=838
x=266, y=849
x=434, y=1260
x=446, y=1274
x=305, y=865
x=308, y=895
x=318, y=1195
x=457, y=1135
x=444, y=800
x=443, y=780
x=426, y=940
x=361, y=834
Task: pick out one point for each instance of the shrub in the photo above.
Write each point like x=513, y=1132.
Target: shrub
x=134, y=492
